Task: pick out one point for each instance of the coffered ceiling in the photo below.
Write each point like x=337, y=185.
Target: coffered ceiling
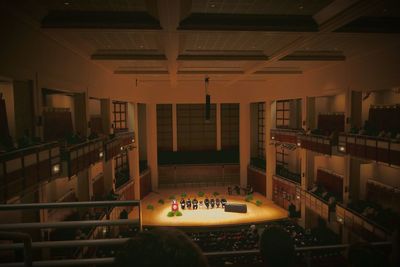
x=228, y=40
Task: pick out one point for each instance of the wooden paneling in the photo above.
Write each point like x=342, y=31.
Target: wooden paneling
x=257, y=179
x=332, y=182
x=145, y=184
x=198, y=175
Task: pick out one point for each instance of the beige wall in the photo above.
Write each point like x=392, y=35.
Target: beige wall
x=333, y=163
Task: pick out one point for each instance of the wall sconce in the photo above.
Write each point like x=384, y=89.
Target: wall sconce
x=273, y=137
x=298, y=143
x=339, y=219
x=342, y=149
x=56, y=169
x=101, y=154
x=121, y=148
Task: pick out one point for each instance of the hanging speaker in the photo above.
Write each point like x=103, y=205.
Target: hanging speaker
x=208, y=100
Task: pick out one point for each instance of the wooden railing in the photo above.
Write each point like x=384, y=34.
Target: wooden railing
x=285, y=191
x=360, y=223
x=371, y=148
x=24, y=168
x=79, y=157
x=284, y=135
x=115, y=145
x=318, y=143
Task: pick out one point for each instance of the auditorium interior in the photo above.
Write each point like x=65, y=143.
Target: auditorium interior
x=219, y=118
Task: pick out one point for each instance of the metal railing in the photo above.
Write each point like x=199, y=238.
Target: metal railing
x=110, y=260
x=29, y=245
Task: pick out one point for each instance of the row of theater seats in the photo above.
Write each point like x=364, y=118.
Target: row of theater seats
x=384, y=118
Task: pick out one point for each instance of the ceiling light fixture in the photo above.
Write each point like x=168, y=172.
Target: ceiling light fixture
x=66, y=3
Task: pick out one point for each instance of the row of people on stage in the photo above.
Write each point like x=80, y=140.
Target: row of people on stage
x=207, y=203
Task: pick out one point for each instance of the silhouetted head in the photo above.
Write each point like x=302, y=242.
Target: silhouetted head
x=160, y=247
x=277, y=247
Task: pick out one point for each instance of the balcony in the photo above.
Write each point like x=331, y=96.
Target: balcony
x=24, y=168
x=361, y=224
x=115, y=145
x=284, y=135
x=370, y=148
x=317, y=143
x=79, y=157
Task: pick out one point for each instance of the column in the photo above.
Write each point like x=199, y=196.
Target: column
x=109, y=173
x=269, y=150
x=346, y=178
x=347, y=112
x=134, y=154
x=106, y=115
x=82, y=184
x=152, y=156
x=218, y=126
x=244, y=141
x=174, y=129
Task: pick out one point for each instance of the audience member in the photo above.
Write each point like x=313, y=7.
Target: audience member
x=160, y=247
x=277, y=247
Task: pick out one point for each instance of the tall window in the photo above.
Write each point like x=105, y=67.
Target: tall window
x=120, y=116
x=194, y=133
x=282, y=114
x=281, y=157
x=229, y=126
x=261, y=130
x=164, y=127
x=121, y=169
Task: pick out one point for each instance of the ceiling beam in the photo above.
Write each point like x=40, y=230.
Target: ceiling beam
x=112, y=56
x=221, y=57
x=313, y=57
x=341, y=18
x=204, y=72
x=247, y=22
x=372, y=25
x=66, y=19
x=141, y=72
x=170, y=13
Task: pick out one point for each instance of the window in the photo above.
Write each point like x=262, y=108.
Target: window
x=194, y=133
x=121, y=169
x=164, y=127
x=120, y=116
x=230, y=126
x=281, y=157
x=282, y=114
x=261, y=130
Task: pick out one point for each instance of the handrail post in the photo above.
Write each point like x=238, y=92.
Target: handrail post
x=26, y=238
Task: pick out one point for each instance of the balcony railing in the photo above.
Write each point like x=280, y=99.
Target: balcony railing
x=79, y=157
x=115, y=145
x=111, y=220
x=360, y=223
x=318, y=143
x=371, y=148
x=28, y=246
x=24, y=168
x=284, y=135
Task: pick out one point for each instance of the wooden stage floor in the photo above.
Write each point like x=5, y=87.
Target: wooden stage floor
x=207, y=217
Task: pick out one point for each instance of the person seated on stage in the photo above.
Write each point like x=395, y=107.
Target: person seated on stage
x=182, y=203
x=212, y=203
x=217, y=202
x=223, y=202
x=160, y=247
x=277, y=248
x=188, y=203
x=229, y=190
x=237, y=189
x=195, y=204
x=207, y=203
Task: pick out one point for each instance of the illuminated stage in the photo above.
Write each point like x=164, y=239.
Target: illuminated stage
x=207, y=217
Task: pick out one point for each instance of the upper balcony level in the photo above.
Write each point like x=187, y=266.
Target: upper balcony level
x=24, y=168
